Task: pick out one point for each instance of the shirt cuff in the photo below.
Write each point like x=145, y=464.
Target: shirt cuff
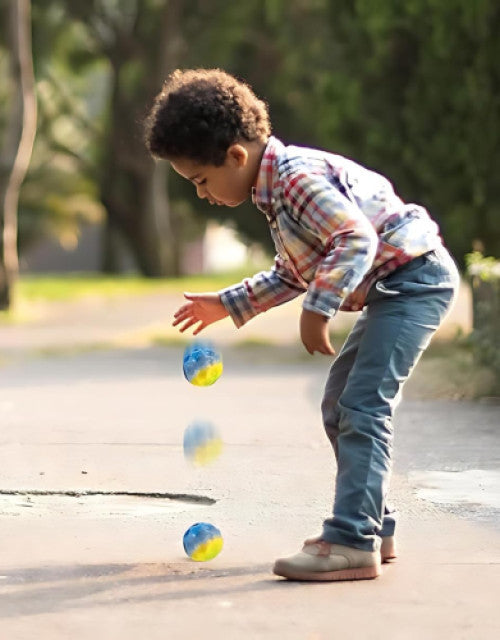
x=237, y=303
x=322, y=302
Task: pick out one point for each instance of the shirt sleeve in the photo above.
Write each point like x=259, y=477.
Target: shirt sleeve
x=348, y=239
x=264, y=290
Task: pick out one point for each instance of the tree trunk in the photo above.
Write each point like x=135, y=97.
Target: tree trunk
x=134, y=188
x=23, y=119
x=110, y=248
x=169, y=56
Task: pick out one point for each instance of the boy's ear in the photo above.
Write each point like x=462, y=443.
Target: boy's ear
x=237, y=155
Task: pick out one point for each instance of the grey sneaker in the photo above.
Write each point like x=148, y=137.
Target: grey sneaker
x=387, y=547
x=323, y=561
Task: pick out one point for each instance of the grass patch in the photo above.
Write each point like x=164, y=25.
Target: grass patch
x=50, y=288
x=163, y=340
x=34, y=293
x=255, y=343
x=449, y=369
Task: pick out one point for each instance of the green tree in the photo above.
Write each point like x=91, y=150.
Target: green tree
x=414, y=91
x=60, y=192
x=136, y=43
x=275, y=45
x=140, y=42
x=410, y=89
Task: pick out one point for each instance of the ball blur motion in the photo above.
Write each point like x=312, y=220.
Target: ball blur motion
x=202, y=443
x=202, y=541
x=202, y=364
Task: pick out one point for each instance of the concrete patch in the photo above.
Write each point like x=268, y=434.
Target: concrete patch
x=473, y=486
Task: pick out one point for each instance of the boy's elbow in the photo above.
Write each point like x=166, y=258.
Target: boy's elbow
x=369, y=241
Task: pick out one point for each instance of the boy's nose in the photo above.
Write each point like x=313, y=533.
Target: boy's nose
x=201, y=192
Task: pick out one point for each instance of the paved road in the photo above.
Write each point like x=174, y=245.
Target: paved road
x=112, y=566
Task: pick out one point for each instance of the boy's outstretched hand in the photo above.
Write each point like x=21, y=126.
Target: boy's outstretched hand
x=202, y=308
x=314, y=333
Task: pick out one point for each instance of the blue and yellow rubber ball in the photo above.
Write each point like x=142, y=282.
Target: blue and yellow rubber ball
x=202, y=541
x=202, y=443
x=202, y=364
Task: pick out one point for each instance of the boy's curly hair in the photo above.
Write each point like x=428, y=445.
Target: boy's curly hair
x=200, y=113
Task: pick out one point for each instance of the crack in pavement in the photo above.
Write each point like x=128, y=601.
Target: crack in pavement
x=179, y=497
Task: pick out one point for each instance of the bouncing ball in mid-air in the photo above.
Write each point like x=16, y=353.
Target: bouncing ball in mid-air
x=202, y=443
x=202, y=364
x=202, y=541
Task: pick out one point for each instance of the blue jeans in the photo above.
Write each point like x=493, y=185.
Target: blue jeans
x=364, y=386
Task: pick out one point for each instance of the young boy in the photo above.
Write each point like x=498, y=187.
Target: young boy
x=346, y=240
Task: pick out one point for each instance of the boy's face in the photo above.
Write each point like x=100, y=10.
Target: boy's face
x=229, y=185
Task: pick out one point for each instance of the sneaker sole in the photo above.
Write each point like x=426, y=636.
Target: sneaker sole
x=386, y=559
x=359, y=573
x=388, y=549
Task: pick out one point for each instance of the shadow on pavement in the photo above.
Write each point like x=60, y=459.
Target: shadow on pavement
x=80, y=586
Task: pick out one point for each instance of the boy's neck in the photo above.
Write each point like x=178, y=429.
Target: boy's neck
x=255, y=152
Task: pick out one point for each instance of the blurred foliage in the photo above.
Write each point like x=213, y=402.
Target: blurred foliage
x=484, y=274
x=60, y=190
x=486, y=268
x=411, y=89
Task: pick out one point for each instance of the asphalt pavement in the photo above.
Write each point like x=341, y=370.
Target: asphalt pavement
x=96, y=494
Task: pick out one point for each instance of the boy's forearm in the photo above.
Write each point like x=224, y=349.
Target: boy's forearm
x=255, y=295
x=341, y=271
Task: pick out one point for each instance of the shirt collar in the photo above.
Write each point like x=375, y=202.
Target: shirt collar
x=262, y=193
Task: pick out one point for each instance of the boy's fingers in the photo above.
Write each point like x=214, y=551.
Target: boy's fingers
x=198, y=329
x=185, y=308
x=309, y=349
x=325, y=349
x=178, y=321
x=328, y=350
x=188, y=324
x=179, y=312
x=181, y=317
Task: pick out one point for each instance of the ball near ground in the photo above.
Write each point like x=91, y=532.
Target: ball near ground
x=202, y=541
x=202, y=443
x=202, y=364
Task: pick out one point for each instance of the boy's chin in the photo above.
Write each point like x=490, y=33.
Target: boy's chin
x=235, y=203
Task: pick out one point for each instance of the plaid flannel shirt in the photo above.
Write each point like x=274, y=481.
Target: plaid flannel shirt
x=337, y=228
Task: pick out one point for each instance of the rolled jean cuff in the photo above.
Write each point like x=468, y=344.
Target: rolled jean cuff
x=388, y=526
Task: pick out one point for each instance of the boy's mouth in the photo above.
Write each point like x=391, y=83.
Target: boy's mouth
x=217, y=202
x=221, y=203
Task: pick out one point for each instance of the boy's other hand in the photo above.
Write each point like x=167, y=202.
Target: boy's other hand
x=202, y=309
x=314, y=333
